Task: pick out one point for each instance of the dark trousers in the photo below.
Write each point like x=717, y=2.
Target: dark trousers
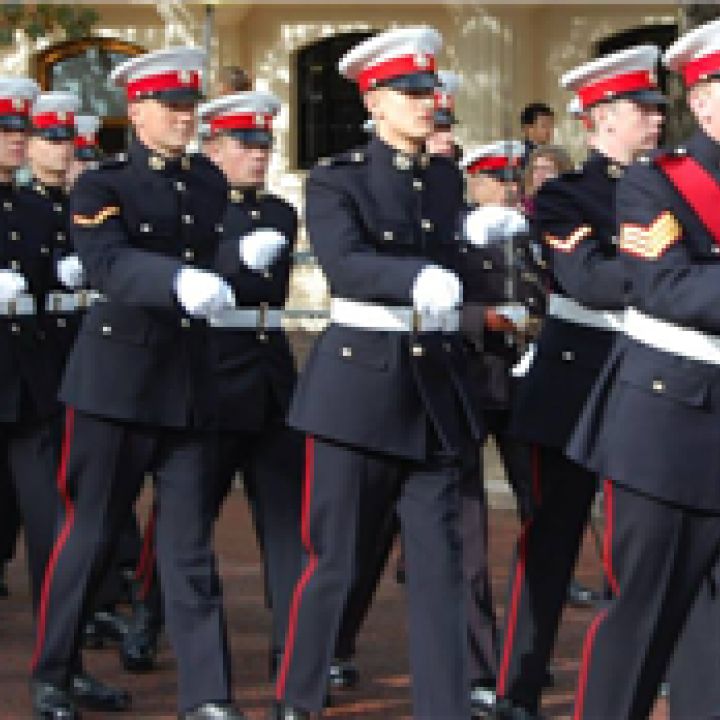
x=516, y=459
x=28, y=460
x=657, y=556
x=545, y=558
x=482, y=626
x=695, y=667
x=271, y=463
x=102, y=464
x=9, y=519
x=428, y=506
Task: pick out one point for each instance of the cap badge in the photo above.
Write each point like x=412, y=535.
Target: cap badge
x=184, y=77
x=422, y=61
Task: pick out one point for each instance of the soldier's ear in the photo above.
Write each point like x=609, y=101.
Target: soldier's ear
x=371, y=100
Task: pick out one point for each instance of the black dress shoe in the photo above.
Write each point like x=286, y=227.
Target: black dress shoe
x=280, y=711
x=50, y=702
x=139, y=646
x=578, y=595
x=92, y=694
x=105, y=627
x=343, y=675
x=213, y=711
x=482, y=702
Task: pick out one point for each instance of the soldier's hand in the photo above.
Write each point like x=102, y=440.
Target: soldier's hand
x=260, y=248
x=202, y=293
x=12, y=284
x=496, y=322
x=490, y=223
x=436, y=290
x=70, y=272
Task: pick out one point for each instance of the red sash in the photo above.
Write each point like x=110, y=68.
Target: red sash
x=697, y=187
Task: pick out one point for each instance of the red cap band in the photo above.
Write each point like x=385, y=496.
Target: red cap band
x=498, y=162
x=701, y=69
x=405, y=65
x=444, y=100
x=241, y=121
x=607, y=89
x=53, y=119
x=173, y=80
x=86, y=141
x=14, y=106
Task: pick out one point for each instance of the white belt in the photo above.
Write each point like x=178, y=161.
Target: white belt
x=261, y=318
x=67, y=302
x=389, y=318
x=21, y=305
x=565, y=308
x=675, y=339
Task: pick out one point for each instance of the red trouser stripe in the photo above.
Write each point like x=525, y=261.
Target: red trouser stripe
x=514, y=606
x=592, y=630
x=147, y=547
x=607, y=539
x=62, y=537
x=309, y=569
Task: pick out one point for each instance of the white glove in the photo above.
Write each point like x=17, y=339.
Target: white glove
x=436, y=291
x=11, y=284
x=70, y=272
x=490, y=223
x=259, y=249
x=202, y=293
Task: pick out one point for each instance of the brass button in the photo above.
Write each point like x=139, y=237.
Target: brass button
x=236, y=195
x=106, y=330
x=57, y=207
x=427, y=225
x=219, y=227
x=60, y=236
x=145, y=227
x=14, y=264
x=346, y=352
x=487, y=265
x=185, y=323
x=255, y=214
x=15, y=329
x=61, y=322
x=189, y=254
x=658, y=386
x=388, y=235
x=262, y=337
x=7, y=205
x=187, y=219
x=44, y=250
x=417, y=184
x=447, y=347
x=715, y=249
x=418, y=350
x=180, y=186
x=568, y=355
x=14, y=235
x=267, y=274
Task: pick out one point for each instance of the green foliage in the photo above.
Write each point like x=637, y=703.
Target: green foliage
x=38, y=20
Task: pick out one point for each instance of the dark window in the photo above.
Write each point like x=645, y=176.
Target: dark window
x=83, y=67
x=330, y=109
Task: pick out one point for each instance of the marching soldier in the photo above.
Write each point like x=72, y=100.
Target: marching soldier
x=493, y=327
x=620, y=103
x=137, y=387
x=250, y=354
x=385, y=381
x=651, y=425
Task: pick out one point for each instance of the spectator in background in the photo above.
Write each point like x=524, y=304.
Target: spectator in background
x=233, y=79
x=543, y=163
x=537, y=122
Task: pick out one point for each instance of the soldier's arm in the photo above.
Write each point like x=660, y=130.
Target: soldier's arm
x=579, y=264
x=113, y=266
x=666, y=283
x=352, y=264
